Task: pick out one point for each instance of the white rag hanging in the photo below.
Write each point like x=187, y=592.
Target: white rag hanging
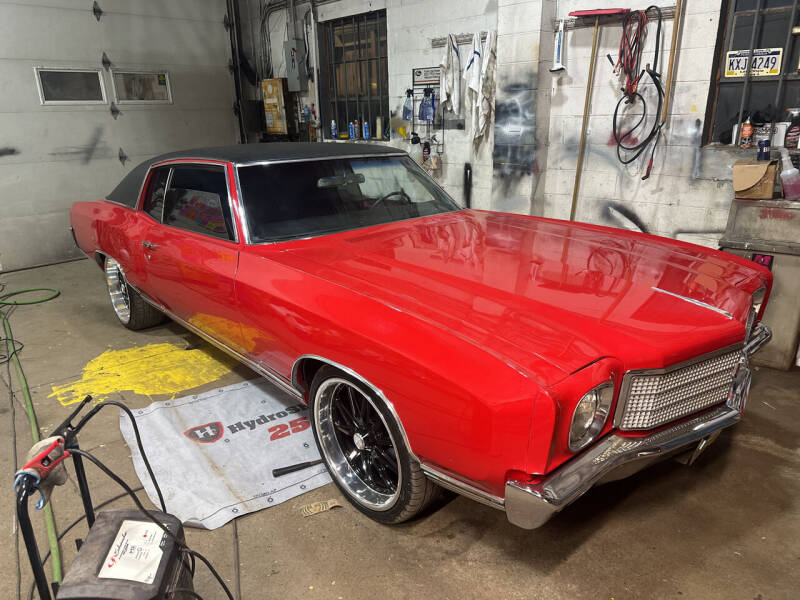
x=472, y=83
x=450, y=71
x=486, y=101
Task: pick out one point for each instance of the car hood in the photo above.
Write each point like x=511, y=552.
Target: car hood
x=542, y=293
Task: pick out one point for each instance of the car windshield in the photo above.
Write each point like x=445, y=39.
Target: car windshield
x=302, y=199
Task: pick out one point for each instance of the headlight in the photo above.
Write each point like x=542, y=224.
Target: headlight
x=757, y=301
x=590, y=415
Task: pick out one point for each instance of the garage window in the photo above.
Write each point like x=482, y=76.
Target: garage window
x=197, y=200
x=354, y=72
x=761, y=29
x=70, y=86
x=141, y=87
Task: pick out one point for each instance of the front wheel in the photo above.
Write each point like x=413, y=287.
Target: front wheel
x=364, y=451
x=131, y=309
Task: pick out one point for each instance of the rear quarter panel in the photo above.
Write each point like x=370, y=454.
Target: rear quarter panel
x=112, y=229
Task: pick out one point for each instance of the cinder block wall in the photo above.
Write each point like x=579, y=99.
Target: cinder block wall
x=522, y=105
x=411, y=25
x=689, y=192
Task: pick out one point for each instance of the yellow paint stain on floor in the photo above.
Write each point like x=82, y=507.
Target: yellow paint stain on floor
x=147, y=370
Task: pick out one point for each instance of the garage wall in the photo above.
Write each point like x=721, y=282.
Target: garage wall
x=689, y=192
x=411, y=26
x=522, y=106
x=51, y=156
x=528, y=164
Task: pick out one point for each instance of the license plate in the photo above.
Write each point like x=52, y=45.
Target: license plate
x=766, y=62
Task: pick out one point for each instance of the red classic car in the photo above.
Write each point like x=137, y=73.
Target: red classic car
x=513, y=359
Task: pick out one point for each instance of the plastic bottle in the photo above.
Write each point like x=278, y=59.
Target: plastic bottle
x=793, y=131
x=408, y=107
x=378, y=128
x=790, y=177
x=416, y=147
x=334, y=130
x=366, y=130
x=746, y=139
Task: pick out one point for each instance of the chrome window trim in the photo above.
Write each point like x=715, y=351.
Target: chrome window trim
x=277, y=161
x=176, y=162
x=242, y=211
x=134, y=207
x=695, y=302
x=164, y=200
x=619, y=410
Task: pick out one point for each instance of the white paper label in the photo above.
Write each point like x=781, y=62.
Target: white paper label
x=135, y=553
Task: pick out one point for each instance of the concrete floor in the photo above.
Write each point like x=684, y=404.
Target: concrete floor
x=728, y=527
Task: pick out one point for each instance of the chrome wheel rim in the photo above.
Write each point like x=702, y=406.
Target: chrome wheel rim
x=357, y=444
x=118, y=290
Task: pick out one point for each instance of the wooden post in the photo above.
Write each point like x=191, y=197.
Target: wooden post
x=586, y=102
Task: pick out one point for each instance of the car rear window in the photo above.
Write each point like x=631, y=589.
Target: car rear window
x=302, y=199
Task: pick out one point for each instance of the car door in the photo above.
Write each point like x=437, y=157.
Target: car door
x=191, y=250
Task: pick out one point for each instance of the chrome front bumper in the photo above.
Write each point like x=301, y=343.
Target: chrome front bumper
x=530, y=505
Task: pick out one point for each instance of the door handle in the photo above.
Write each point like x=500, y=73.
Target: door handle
x=149, y=245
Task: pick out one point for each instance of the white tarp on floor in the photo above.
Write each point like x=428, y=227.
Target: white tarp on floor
x=213, y=453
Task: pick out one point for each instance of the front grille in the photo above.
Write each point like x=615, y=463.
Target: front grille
x=652, y=398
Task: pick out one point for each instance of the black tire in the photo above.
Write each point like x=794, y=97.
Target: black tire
x=129, y=306
x=413, y=492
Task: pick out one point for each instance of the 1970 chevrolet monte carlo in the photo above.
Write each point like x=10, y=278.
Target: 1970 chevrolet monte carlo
x=513, y=359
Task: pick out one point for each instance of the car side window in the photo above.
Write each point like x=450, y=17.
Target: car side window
x=197, y=200
x=154, y=196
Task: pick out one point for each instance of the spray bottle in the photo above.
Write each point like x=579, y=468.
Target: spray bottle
x=408, y=106
x=416, y=147
x=793, y=129
x=790, y=177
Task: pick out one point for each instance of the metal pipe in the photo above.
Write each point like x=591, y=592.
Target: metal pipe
x=677, y=23
x=83, y=486
x=235, y=34
x=28, y=536
x=585, y=122
x=782, y=78
x=746, y=87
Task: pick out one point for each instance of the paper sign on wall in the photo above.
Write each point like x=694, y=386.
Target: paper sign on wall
x=766, y=62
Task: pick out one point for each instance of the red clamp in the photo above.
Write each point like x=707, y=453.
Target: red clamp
x=43, y=463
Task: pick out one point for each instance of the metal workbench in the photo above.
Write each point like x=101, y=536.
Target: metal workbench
x=769, y=231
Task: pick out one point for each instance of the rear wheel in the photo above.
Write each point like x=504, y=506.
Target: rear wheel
x=131, y=309
x=364, y=451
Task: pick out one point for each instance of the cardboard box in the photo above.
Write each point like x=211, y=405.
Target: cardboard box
x=275, y=94
x=754, y=179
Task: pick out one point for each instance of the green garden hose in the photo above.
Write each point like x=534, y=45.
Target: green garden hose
x=12, y=356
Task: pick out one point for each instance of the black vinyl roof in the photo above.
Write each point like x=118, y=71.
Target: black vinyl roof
x=127, y=191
